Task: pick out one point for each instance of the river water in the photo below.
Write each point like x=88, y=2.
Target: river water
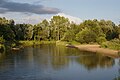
x=51, y=62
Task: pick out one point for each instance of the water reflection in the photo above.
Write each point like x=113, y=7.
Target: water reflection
x=93, y=61
x=57, y=57
x=51, y=56
x=42, y=62
x=118, y=75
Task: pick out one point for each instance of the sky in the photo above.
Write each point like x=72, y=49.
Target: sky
x=33, y=11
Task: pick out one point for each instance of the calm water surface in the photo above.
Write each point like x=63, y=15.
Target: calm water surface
x=51, y=62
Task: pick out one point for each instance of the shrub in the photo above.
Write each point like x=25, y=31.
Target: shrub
x=86, y=36
x=101, y=39
x=2, y=40
x=68, y=36
x=113, y=44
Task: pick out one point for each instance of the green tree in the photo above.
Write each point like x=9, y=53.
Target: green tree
x=86, y=36
x=2, y=40
x=59, y=26
x=45, y=30
x=107, y=28
x=28, y=32
x=37, y=32
x=101, y=39
x=5, y=30
x=69, y=36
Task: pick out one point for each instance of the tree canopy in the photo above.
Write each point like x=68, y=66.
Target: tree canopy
x=60, y=28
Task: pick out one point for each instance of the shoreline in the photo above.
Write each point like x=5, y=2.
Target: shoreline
x=83, y=47
x=97, y=49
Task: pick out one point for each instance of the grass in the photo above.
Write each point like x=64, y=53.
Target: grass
x=31, y=43
x=47, y=42
x=26, y=43
x=61, y=43
x=75, y=43
x=65, y=42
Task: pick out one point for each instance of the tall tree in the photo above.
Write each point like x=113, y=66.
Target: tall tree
x=5, y=30
x=60, y=26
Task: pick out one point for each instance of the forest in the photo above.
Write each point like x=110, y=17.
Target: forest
x=103, y=32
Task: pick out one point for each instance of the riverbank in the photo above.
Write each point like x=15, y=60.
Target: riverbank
x=84, y=47
x=32, y=43
x=98, y=49
x=95, y=48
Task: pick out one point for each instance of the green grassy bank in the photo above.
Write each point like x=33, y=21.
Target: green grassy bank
x=31, y=43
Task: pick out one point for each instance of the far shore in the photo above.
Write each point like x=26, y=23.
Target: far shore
x=83, y=47
x=97, y=49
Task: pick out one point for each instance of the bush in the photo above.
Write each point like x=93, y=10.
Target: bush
x=68, y=36
x=2, y=40
x=101, y=39
x=113, y=44
x=86, y=36
x=2, y=48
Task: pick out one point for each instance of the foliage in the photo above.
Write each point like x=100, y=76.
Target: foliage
x=29, y=43
x=2, y=40
x=32, y=43
x=68, y=36
x=59, y=25
x=86, y=36
x=113, y=44
x=101, y=39
x=5, y=29
x=60, y=28
x=2, y=48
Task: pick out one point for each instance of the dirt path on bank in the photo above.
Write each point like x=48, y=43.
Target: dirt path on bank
x=97, y=49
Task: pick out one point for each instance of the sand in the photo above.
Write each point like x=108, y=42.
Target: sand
x=98, y=49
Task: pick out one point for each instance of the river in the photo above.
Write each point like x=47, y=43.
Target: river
x=51, y=62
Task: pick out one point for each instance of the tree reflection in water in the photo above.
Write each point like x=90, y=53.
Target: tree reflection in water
x=93, y=60
x=59, y=57
x=49, y=59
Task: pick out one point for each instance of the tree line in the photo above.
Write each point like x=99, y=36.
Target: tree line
x=60, y=28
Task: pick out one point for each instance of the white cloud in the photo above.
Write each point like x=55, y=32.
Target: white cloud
x=33, y=19
x=71, y=18
x=20, y=18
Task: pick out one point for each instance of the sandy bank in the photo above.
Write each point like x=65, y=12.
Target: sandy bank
x=97, y=49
